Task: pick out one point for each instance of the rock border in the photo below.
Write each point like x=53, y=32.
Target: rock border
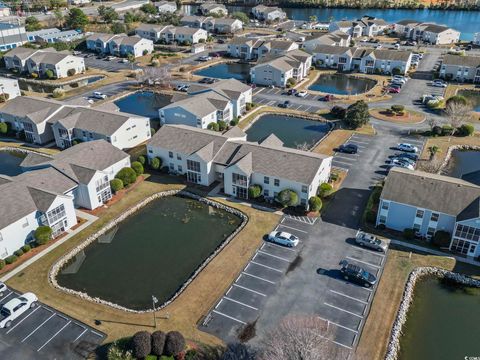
x=393, y=347
x=57, y=266
x=450, y=150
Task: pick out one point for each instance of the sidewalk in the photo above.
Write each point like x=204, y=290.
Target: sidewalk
x=435, y=252
x=90, y=219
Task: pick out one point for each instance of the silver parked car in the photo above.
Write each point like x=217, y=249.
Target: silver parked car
x=370, y=241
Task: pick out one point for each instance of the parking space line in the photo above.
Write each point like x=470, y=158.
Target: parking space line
x=343, y=157
x=58, y=332
x=45, y=308
x=341, y=326
x=271, y=102
x=251, y=290
x=240, y=303
x=278, y=246
x=305, y=232
x=265, y=266
x=341, y=162
x=363, y=262
x=38, y=327
x=338, y=308
x=6, y=296
x=79, y=336
x=348, y=296
x=382, y=255
x=96, y=333
x=229, y=317
x=358, y=141
x=258, y=277
x=23, y=319
x=274, y=256
x=353, y=142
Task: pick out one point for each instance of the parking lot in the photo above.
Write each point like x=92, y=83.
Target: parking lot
x=296, y=103
x=44, y=333
x=103, y=64
x=345, y=161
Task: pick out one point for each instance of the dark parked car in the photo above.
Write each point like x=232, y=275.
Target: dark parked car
x=328, y=97
x=204, y=80
x=292, y=92
x=356, y=274
x=285, y=104
x=348, y=148
x=410, y=156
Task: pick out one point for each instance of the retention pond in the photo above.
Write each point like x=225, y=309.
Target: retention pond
x=226, y=71
x=153, y=252
x=10, y=162
x=341, y=84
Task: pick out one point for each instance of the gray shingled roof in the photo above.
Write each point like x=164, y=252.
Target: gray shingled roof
x=430, y=191
x=471, y=61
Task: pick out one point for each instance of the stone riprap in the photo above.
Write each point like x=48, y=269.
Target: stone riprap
x=57, y=267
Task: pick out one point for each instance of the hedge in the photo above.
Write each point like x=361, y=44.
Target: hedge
x=254, y=191
x=141, y=159
x=222, y=125
x=18, y=252
x=466, y=130
x=315, y=203
x=409, y=234
x=11, y=259
x=174, y=343
x=441, y=238
x=158, y=342
x=43, y=234
x=325, y=189
x=26, y=248
x=156, y=163
x=127, y=175
x=141, y=344
x=287, y=197
x=213, y=126
x=138, y=167
x=3, y=128
x=2, y=264
x=116, y=185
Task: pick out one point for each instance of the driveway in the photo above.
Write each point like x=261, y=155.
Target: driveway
x=44, y=333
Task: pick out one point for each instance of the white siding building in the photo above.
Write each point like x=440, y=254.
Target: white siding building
x=119, y=45
x=9, y=87
x=166, y=7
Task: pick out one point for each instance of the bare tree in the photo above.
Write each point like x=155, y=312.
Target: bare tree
x=238, y=351
x=457, y=113
x=301, y=338
x=433, y=166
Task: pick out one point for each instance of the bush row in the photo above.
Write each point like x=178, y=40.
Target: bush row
x=12, y=258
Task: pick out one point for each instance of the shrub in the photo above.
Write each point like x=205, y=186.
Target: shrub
x=357, y=114
x=437, y=130
x=447, y=130
x=156, y=163
x=287, y=197
x=291, y=82
x=158, y=342
x=396, y=71
x=325, y=189
x=26, y=248
x=249, y=106
x=222, y=125
x=151, y=357
x=138, y=167
x=18, y=252
x=127, y=175
x=381, y=226
x=58, y=93
x=466, y=130
x=43, y=234
x=408, y=234
x=213, y=126
x=141, y=344
x=397, y=108
x=338, y=112
x=174, y=343
x=234, y=121
x=115, y=352
x=11, y=259
x=116, y=185
x=141, y=159
x=315, y=203
x=441, y=238
x=3, y=128
x=34, y=75
x=2, y=264
x=334, y=176
x=71, y=72
x=145, y=52
x=49, y=74
x=371, y=217
x=254, y=191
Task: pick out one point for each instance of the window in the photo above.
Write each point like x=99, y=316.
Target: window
x=431, y=231
x=266, y=193
x=304, y=189
x=56, y=214
x=150, y=151
x=434, y=217
x=385, y=205
x=179, y=157
x=171, y=166
x=266, y=180
x=179, y=168
x=101, y=184
x=419, y=214
x=170, y=155
x=193, y=165
x=303, y=202
x=276, y=182
x=239, y=179
x=382, y=219
x=467, y=232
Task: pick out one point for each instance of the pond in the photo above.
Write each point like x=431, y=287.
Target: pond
x=30, y=85
x=465, y=165
x=144, y=103
x=153, y=252
x=341, y=84
x=10, y=162
x=293, y=131
x=462, y=20
x=443, y=322
x=473, y=96
x=226, y=71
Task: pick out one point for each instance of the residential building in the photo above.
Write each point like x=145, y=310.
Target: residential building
x=223, y=25
x=46, y=120
x=460, y=68
x=336, y=38
x=194, y=21
x=164, y=7
x=4, y=10
x=9, y=87
x=254, y=48
x=12, y=35
x=204, y=156
x=365, y=26
x=79, y=2
x=365, y=60
x=169, y=33
x=120, y=44
x=89, y=165
x=62, y=63
x=53, y=35
x=123, y=6
x=30, y=200
x=277, y=71
x=212, y=8
x=221, y=101
x=410, y=200
x=31, y=35
x=476, y=39
x=268, y=13
x=426, y=32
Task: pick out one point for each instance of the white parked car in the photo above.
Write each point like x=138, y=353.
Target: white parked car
x=302, y=94
x=399, y=80
x=99, y=95
x=283, y=238
x=124, y=61
x=3, y=288
x=16, y=307
x=439, y=83
x=407, y=147
x=110, y=58
x=401, y=164
x=204, y=58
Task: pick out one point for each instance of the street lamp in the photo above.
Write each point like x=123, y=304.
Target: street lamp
x=154, y=301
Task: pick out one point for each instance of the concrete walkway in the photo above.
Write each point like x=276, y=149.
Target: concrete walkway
x=90, y=220
x=435, y=252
